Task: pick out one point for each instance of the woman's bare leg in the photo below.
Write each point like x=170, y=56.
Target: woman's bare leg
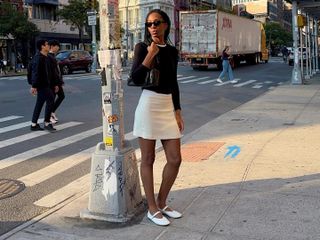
x=172, y=148
x=146, y=171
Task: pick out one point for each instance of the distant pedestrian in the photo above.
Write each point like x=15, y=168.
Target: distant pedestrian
x=59, y=96
x=227, y=69
x=43, y=85
x=285, y=54
x=3, y=66
x=19, y=64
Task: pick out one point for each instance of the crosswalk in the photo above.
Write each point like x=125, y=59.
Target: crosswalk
x=182, y=79
x=36, y=175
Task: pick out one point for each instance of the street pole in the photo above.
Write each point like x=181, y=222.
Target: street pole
x=115, y=194
x=92, y=19
x=296, y=73
x=127, y=32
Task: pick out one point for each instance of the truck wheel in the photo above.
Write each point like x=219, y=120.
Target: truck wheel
x=219, y=65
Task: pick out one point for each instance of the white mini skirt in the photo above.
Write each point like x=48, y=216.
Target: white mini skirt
x=154, y=117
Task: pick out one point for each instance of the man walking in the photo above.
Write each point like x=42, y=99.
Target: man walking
x=59, y=96
x=43, y=85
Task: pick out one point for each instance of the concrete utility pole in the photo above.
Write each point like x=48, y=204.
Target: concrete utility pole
x=115, y=194
x=296, y=73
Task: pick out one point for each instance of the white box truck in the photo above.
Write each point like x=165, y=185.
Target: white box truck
x=204, y=35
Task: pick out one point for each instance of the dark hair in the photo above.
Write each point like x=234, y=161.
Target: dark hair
x=54, y=43
x=166, y=19
x=40, y=43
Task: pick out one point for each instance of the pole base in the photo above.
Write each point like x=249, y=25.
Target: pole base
x=115, y=194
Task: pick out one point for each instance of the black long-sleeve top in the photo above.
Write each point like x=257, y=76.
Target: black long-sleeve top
x=41, y=72
x=168, y=64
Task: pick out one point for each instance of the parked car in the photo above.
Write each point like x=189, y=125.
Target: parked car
x=73, y=60
x=291, y=56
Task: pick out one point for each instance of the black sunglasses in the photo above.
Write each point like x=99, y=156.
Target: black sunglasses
x=155, y=23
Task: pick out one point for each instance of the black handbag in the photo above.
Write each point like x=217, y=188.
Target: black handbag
x=151, y=80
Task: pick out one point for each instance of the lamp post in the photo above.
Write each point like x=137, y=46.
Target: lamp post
x=115, y=194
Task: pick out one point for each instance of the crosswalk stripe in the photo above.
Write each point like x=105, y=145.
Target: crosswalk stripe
x=267, y=82
x=244, y=83
x=195, y=80
x=209, y=81
x=31, y=135
x=183, y=78
x=79, y=185
x=257, y=86
x=46, y=148
x=56, y=168
x=179, y=75
x=17, y=126
x=4, y=119
x=223, y=83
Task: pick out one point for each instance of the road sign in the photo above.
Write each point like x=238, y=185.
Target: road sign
x=92, y=20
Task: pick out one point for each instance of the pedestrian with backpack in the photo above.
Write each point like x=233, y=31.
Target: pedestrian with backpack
x=59, y=96
x=43, y=85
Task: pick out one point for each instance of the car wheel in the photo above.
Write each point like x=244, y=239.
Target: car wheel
x=88, y=69
x=65, y=70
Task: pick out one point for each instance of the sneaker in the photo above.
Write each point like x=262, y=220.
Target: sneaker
x=50, y=128
x=36, y=128
x=219, y=80
x=53, y=120
x=54, y=116
x=234, y=81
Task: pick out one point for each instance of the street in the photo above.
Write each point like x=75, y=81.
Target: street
x=52, y=165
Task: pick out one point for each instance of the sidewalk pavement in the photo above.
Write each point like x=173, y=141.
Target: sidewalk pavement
x=270, y=190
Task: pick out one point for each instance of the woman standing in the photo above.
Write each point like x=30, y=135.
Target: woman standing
x=226, y=66
x=158, y=114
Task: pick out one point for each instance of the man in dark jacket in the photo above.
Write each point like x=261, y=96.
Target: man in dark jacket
x=59, y=96
x=43, y=85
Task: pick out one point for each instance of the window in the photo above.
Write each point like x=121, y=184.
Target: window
x=44, y=12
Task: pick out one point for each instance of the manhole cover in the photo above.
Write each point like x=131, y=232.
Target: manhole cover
x=9, y=188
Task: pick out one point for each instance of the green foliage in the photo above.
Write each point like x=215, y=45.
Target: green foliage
x=277, y=35
x=16, y=24
x=75, y=14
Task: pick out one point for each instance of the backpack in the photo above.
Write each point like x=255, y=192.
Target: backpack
x=29, y=72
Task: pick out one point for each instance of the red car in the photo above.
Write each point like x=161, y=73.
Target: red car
x=74, y=60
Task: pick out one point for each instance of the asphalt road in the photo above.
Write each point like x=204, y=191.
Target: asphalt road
x=29, y=157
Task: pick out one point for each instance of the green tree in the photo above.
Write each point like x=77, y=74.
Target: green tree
x=16, y=24
x=75, y=14
x=277, y=36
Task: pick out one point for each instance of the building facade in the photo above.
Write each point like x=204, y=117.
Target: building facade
x=43, y=13
x=268, y=10
x=132, y=15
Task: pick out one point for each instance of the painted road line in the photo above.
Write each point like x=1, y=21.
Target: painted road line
x=223, y=83
x=80, y=185
x=57, y=167
x=17, y=126
x=7, y=162
x=258, y=85
x=209, y=81
x=31, y=135
x=179, y=76
x=195, y=80
x=267, y=82
x=244, y=83
x=4, y=119
x=183, y=78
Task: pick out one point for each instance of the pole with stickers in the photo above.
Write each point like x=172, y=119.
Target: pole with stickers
x=115, y=194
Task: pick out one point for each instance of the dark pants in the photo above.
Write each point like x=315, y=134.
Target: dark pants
x=43, y=95
x=59, y=99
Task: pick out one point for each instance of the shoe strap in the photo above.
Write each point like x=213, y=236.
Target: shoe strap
x=153, y=216
x=163, y=209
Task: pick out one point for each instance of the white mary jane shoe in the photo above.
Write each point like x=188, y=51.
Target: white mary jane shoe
x=159, y=221
x=172, y=214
